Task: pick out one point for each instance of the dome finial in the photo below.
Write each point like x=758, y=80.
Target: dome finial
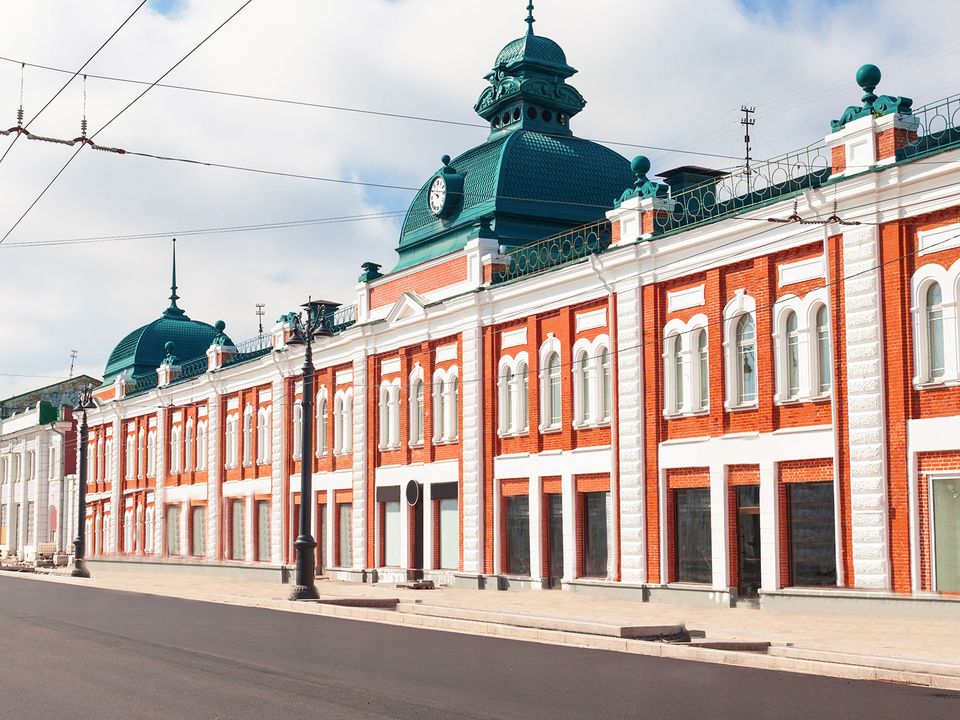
x=173, y=309
x=530, y=19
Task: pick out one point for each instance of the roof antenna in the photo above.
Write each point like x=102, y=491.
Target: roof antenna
x=530, y=21
x=173, y=309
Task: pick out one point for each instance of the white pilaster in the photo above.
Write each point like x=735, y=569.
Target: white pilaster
x=865, y=403
x=278, y=450
x=719, y=527
x=159, y=509
x=471, y=402
x=360, y=460
x=630, y=419
x=535, y=495
x=569, y=493
x=428, y=548
x=214, y=476
x=769, y=528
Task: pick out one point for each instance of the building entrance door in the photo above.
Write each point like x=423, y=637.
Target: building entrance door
x=748, y=540
x=554, y=539
x=946, y=533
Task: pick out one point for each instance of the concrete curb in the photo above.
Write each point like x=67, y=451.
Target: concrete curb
x=894, y=671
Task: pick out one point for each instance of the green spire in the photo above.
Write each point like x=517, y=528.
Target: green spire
x=173, y=310
x=530, y=19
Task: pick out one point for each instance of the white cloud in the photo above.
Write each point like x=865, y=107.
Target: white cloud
x=656, y=72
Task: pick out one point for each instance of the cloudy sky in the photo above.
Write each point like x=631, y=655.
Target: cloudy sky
x=664, y=73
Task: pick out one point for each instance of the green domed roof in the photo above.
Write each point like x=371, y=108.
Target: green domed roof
x=521, y=186
x=142, y=351
x=533, y=48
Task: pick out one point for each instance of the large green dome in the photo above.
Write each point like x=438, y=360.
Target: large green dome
x=532, y=178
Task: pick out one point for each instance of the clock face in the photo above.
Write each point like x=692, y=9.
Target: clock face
x=438, y=195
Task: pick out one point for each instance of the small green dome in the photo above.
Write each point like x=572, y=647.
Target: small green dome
x=532, y=48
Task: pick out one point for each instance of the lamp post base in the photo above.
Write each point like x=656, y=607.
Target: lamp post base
x=304, y=592
x=79, y=569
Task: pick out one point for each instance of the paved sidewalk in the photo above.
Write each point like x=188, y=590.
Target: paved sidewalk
x=888, y=641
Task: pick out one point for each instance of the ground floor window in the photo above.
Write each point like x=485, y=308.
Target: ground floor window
x=173, y=530
x=946, y=533
x=198, y=530
x=813, y=559
x=31, y=525
x=321, y=538
x=237, y=534
x=3, y=524
x=594, y=536
x=263, y=530
x=391, y=534
x=148, y=532
x=448, y=533
x=692, y=543
x=128, y=531
x=345, y=534
x=517, y=512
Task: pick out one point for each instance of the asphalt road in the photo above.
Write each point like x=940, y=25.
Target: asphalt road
x=74, y=652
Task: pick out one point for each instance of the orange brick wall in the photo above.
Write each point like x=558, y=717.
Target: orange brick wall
x=447, y=273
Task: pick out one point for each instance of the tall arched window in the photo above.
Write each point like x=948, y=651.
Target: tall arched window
x=348, y=422
x=522, y=382
x=581, y=374
x=824, y=370
x=129, y=459
x=263, y=437
x=606, y=385
x=189, y=448
x=934, y=314
x=141, y=454
x=232, y=441
x=202, y=446
x=791, y=384
x=337, y=425
x=416, y=412
x=148, y=530
x=384, y=416
x=439, y=408
x=746, y=358
x=108, y=459
x=323, y=417
x=174, y=462
x=151, y=453
x=453, y=423
x=506, y=400
x=297, y=430
x=553, y=401
x=248, y=435
x=703, y=370
x=679, y=390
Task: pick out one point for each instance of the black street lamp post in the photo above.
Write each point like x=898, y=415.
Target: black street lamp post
x=305, y=544
x=84, y=403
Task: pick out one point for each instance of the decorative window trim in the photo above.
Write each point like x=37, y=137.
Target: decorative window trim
x=590, y=375
x=550, y=346
x=949, y=281
x=389, y=414
x=321, y=422
x=741, y=304
x=806, y=309
x=263, y=436
x=446, y=405
x=416, y=407
x=686, y=332
x=202, y=447
x=247, y=431
x=518, y=422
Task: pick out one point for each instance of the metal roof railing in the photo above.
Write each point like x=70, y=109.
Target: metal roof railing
x=556, y=250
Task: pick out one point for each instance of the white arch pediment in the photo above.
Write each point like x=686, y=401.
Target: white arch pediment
x=409, y=306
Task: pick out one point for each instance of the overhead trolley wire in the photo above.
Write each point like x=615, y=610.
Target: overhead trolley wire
x=73, y=75
x=125, y=108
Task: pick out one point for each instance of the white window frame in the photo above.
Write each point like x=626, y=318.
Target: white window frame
x=297, y=430
x=248, y=436
x=949, y=281
x=202, y=449
x=550, y=346
x=446, y=405
x=141, y=454
x=417, y=406
x=321, y=420
x=232, y=440
x=263, y=436
x=741, y=304
x=808, y=348
x=131, y=450
x=152, y=453
x=174, y=462
x=189, y=447
x=337, y=422
x=680, y=337
x=343, y=422
x=587, y=373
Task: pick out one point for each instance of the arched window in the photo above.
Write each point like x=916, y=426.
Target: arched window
x=297, y=430
x=141, y=454
x=522, y=382
x=136, y=529
x=202, y=446
x=148, y=532
x=552, y=396
x=128, y=531
x=703, y=370
x=453, y=422
x=263, y=437
x=676, y=355
x=384, y=415
x=934, y=315
x=416, y=412
x=791, y=380
x=232, y=441
x=439, y=408
x=505, y=390
x=746, y=359
x=581, y=376
x=151, y=453
x=248, y=435
x=131, y=441
x=323, y=417
x=189, y=448
x=108, y=459
x=174, y=463
x=337, y=425
x=347, y=423
x=606, y=385
x=824, y=370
